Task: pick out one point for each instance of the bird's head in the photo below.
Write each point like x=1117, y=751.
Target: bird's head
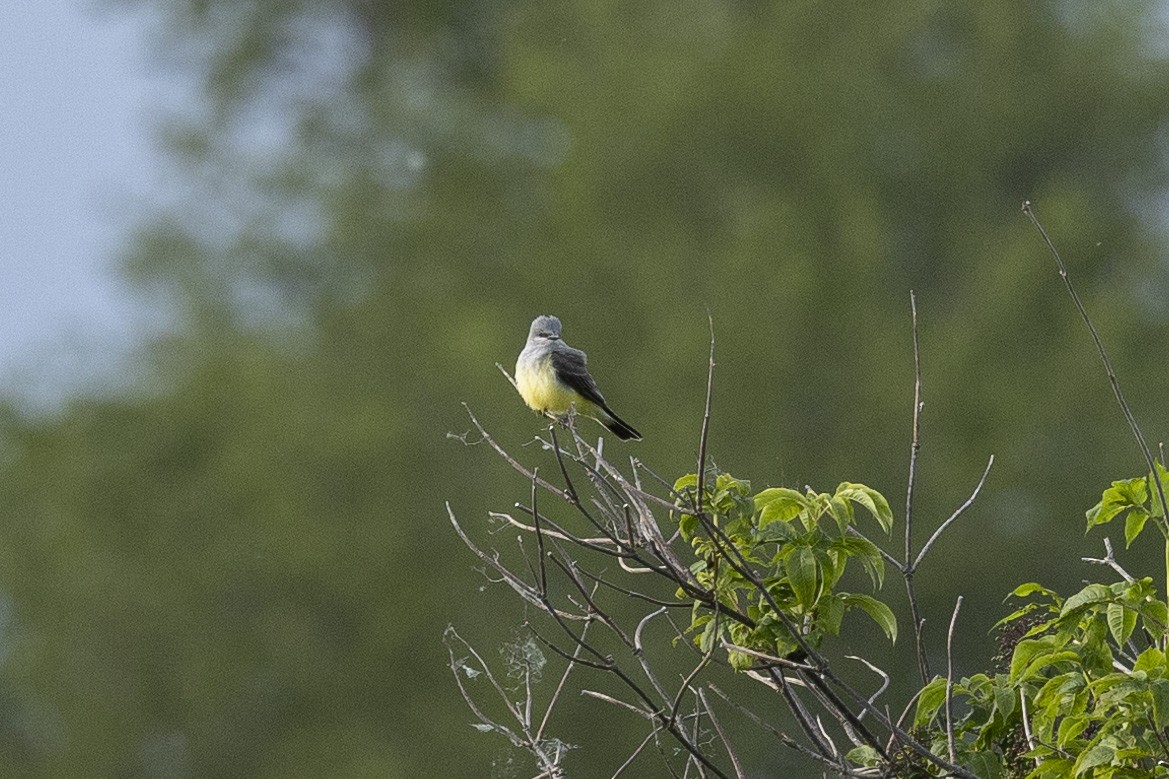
x=546, y=328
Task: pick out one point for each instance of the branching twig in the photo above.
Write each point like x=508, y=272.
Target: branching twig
x=508, y=458
x=1110, y=561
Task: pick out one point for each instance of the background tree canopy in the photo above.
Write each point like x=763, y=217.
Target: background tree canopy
x=243, y=566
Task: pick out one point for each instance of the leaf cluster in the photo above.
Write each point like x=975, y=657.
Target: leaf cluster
x=1135, y=501
x=791, y=549
x=1087, y=690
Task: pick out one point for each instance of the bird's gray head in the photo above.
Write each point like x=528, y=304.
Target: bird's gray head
x=545, y=328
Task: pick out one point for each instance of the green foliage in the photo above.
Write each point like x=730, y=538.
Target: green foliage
x=1137, y=500
x=1086, y=692
x=1096, y=704
x=790, y=550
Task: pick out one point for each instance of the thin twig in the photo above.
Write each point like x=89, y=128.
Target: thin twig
x=560, y=687
x=907, y=568
x=915, y=444
x=649, y=715
x=787, y=740
x=706, y=415
x=950, y=680
x=884, y=681
x=586, y=542
x=706, y=657
x=539, y=535
x=769, y=659
x=1112, y=378
x=511, y=460
x=521, y=588
x=1027, y=724
x=721, y=735
x=957, y=513
x=904, y=714
x=890, y=559
x=457, y=665
x=652, y=734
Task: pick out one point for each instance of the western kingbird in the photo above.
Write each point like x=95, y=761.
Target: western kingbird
x=553, y=377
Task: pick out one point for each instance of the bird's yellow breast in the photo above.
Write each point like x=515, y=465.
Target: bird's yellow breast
x=538, y=386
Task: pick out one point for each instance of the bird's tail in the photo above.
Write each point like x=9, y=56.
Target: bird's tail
x=619, y=427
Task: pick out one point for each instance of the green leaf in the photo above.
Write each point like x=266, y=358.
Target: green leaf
x=779, y=504
x=1023, y=590
x=868, y=553
x=880, y=613
x=932, y=696
x=1026, y=651
x=985, y=765
x=1005, y=698
x=1071, y=727
x=871, y=499
x=1134, y=523
x=740, y=661
x=865, y=755
x=1055, y=767
x=829, y=614
x=842, y=512
x=1121, y=622
x=800, y=566
x=1097, y=755
x=1151, y=661
x=1131, y=492
x=707, y=639
x=1120, y=497
x=777, y=533
x=1093, y=593
x=1162, y=477
x=1159, y=688
x=1155, y=615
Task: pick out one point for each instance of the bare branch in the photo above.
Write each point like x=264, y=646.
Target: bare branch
x=884, y=681
x=457, y=665
x=1110, y=561
x=1112, y=378
x=551, y=533
x=915, y=444
x=539, y=536
x=950, y=680
x=560, y=687
x=706, y=415
x=721, y=735
x=652, y=735
x=509, y=459
x=790, y=742
x=957, y=513
x=907, y=567
x=649, y=715
x=521, y=588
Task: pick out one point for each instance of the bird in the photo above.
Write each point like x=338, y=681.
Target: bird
x=553, y=378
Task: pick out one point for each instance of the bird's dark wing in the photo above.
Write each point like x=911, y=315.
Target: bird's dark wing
x=571, y=368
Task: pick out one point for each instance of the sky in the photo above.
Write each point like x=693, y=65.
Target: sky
x=76, y=99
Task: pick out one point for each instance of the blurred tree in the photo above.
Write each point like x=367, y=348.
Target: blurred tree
x=243, y=568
